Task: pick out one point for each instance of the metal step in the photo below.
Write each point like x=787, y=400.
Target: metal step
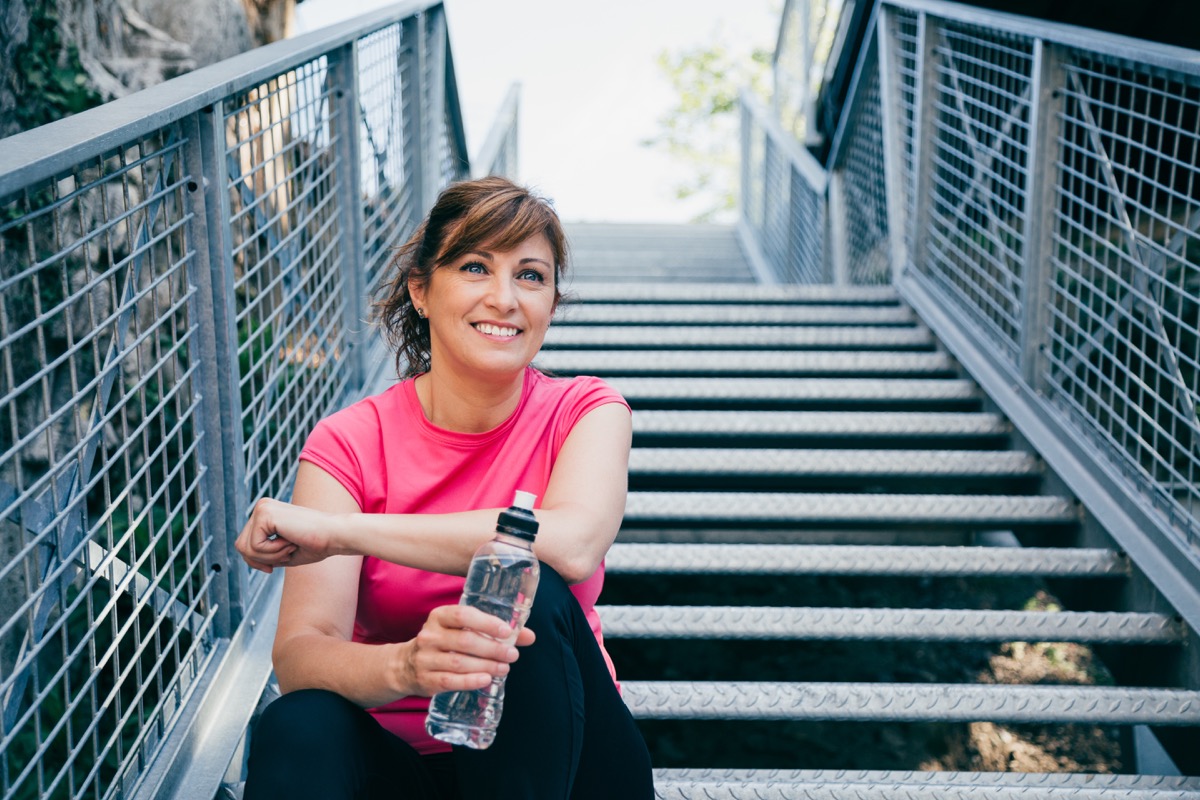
x=793, y=392
x=760, y=337
x=909, y=702
x=807, y=463
x=774, y=784
x=660, y=268
x=736, y=362
x=713, y=509
x=789, y=559
x=794, y=427
x=888, y=624
x=726, y=294
x=736, y=314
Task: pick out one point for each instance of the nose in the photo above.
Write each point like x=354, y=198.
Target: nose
x=502, y=295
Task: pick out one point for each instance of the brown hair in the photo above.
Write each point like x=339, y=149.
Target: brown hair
x=490, y=212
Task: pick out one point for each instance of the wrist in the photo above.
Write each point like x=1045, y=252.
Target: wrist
x=399, y=669
x=343, y=539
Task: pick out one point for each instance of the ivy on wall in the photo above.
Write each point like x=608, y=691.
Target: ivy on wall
x=49, y=79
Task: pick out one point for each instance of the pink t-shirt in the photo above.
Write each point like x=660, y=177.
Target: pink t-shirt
x=392, y=460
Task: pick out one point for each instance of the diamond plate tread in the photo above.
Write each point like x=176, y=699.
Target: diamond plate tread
x=675, y=292
x=731, y=784
x=887, y=624
x=654, y=362
x=908, y=702
x=706, y=508
x=796, y=559
x=831, y=424
x=719, y=390
x=607, y=337
x=731, y=314
x=809, y=462
x=1078, y=780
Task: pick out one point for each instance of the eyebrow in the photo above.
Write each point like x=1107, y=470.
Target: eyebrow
x=485, y=254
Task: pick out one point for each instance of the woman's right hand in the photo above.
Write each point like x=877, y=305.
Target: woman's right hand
x=459, y=649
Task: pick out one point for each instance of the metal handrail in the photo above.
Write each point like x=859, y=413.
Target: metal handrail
x=38, y=154
x=498, y=155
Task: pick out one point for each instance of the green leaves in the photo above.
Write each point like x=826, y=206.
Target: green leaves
x=701, y=128
x=50, y=75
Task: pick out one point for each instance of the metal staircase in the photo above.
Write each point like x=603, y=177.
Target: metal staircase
x=792, y=433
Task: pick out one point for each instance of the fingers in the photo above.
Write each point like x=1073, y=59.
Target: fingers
x=463, y=648
x=281, y=534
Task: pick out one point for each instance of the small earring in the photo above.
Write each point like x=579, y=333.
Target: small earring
x=421, y=313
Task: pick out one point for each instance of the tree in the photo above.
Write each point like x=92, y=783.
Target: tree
x=701, y=129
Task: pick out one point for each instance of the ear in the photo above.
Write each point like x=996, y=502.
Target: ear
x=417, y=292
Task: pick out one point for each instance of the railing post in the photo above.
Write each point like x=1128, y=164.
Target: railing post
x=923, y=128
x=343, y=69
x=435, y=119
x=213, y=487
x=835, y=217
x=413, y=90
x=1047, y=79
x=893, y=166
x=222, y=373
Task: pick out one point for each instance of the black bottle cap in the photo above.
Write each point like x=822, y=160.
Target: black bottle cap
x=518, y=519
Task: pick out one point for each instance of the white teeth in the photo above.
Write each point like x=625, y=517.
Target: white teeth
x=495, y=330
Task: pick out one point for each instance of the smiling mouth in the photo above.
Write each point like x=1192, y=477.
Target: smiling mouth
x=495, y=330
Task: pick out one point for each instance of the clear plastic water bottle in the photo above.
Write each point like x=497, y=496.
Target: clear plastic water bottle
x=501, y=580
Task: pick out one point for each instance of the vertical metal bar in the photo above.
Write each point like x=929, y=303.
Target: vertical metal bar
x=436, y=119
x=1047, y=80
x=892, y=134
x=744, y=172
x=793, y=257
x=344, y=122
x=224, y=358
x=456, y=134
x=923, y=136
x=838, y=261
x=413, y=68
x=212, y=487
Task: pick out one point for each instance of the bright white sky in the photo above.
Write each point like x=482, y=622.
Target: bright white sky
x=590, y=88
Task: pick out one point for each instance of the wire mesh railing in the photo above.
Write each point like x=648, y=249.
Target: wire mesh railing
x=181, y=298
x=1042, y=183
x=782, y=220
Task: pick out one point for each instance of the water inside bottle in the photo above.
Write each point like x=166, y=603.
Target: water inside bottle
x=470, y=717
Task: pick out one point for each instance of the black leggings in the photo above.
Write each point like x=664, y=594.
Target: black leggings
x=565, y=733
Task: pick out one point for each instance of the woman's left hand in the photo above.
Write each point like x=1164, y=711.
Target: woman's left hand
x=280, y=534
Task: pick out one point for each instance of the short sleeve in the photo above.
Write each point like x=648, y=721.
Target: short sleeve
x=587, y=393
x=340, y=445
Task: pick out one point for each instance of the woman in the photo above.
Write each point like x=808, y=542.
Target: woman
x=392, y=496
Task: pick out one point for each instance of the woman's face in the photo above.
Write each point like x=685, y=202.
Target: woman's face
x=488, y=311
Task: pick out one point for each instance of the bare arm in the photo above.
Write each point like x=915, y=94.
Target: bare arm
x=316, y=619
x=579, y=516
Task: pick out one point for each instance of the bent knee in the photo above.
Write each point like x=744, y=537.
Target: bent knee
x=305, y=715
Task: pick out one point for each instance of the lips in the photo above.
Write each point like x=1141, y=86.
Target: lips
x=495, y=330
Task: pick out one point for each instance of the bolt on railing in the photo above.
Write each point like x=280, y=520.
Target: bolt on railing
x=183, y=284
